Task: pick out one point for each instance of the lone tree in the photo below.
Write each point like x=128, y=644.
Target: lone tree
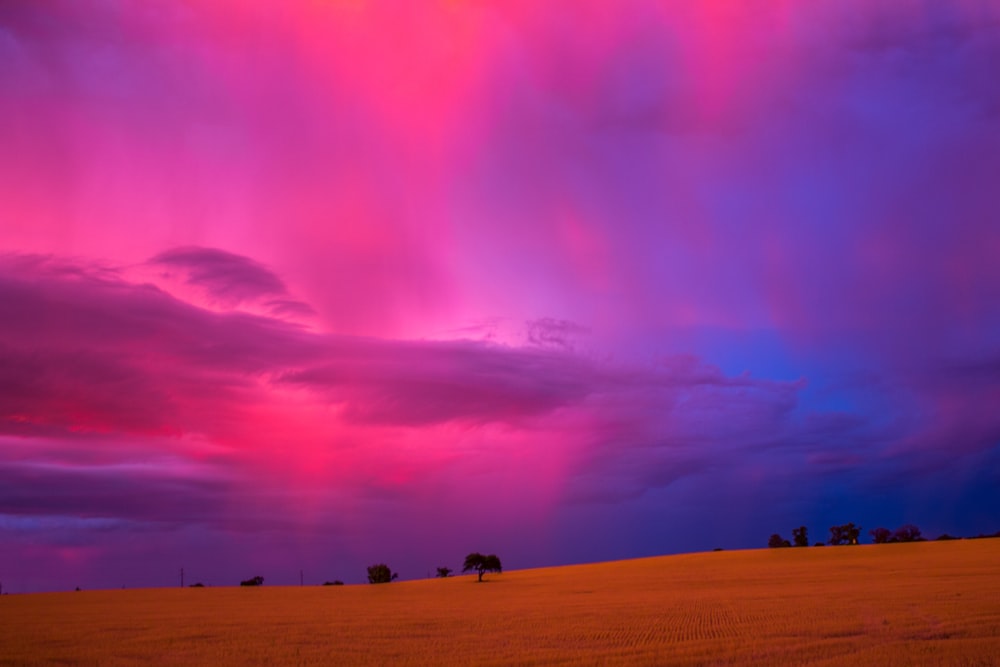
x=800, y=536
x=443, y=572
x=845, y=534
x=482, y=564
x=380, y=574
x=777, y=541
x=256, y=581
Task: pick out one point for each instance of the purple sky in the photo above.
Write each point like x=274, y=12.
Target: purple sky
x=313, y=285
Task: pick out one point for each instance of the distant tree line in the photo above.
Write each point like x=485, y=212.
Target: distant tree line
x=844, y=534
x=800, y=538
x=905, y=533
x=380, y=573
x=848, y=533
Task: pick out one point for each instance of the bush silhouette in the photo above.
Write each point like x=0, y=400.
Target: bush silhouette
x=256, y=581
x=335, y=582
x=443, y=572
x=380, y=574
x=907, y=533
x=777, y=542
x=880, y=535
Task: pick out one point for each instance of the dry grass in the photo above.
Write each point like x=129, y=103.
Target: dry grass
x=927, y=603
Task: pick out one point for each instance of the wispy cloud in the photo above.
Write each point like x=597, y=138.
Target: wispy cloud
x=227, y=279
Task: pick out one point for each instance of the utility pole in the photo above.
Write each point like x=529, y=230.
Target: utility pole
x=182, y=577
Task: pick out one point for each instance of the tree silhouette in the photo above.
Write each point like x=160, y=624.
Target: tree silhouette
x=880, y=535
x=800, y=536
x=845, y=534
x=443, y=572
x=255, y=581
x=380, y=574
x=777, y=541
x=482, y=564
x=907, y=533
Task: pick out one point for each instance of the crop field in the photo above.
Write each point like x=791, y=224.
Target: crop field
x=930, y=603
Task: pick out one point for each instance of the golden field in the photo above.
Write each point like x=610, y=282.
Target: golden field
x=930, y=603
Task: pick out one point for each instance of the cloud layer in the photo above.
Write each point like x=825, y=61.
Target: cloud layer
x=127, y=409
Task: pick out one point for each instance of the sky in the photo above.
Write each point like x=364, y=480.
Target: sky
x=292, y=288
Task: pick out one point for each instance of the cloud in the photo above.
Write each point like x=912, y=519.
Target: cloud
x=226, y=276
x=86, y=350
x=87, y=353
x=229, y=279
x=134, y=494
x=556, y=333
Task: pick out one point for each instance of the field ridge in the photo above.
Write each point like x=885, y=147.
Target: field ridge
x=921, y=603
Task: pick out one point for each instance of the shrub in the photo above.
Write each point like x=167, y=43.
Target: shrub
x=380, y=574
x=907, y=533
x=880, y=535
x=777, y=542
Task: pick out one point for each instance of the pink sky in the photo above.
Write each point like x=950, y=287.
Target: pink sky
x=312, y=285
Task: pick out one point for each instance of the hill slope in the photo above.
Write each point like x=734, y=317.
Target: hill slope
x=924, y=603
